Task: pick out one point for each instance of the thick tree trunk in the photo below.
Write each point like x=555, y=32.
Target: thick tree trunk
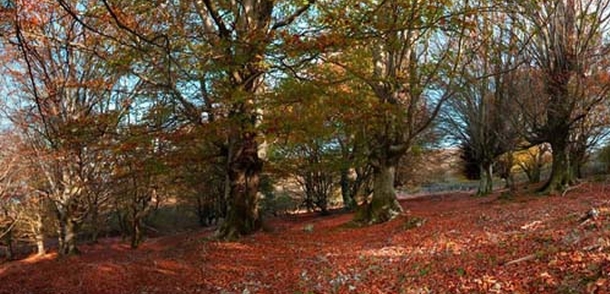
x=533, y=175
x=383, y=206
x=40, y=248
x=486, y=181
x=561, y=172
x=244, y=170
x=577, y=162
x=67, y=236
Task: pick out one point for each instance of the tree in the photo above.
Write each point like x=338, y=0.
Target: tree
x=479, y=116
x=10, y=193
x=317, y=130
x=531, y=161
x=66, y=109
x=565, y=45
x=211, y=58
x=138, y=179
x=586, y=134
x=23, y=209
x=402, y=52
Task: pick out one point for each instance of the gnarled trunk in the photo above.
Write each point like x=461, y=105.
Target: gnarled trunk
x=67, y=233
x=561, y=172
x=383, y=206
x=243, y=216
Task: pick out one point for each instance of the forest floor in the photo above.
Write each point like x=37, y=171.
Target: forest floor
x=452, y=243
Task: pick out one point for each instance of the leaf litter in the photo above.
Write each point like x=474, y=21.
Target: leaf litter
x=459, y=244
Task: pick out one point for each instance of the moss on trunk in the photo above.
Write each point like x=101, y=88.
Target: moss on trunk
x=561, y=173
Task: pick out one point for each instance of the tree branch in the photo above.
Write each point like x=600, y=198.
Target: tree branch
x=288, y=20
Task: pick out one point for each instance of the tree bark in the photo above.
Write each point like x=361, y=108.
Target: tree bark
x=533, y=175
x=561, y=173
x=383, y=206
x=39, y=235
x=95, y=223
x=67, y=236
x=136, y=234
x=243, y=216
x=348, y=200
x=8, y=240
x=486, y=181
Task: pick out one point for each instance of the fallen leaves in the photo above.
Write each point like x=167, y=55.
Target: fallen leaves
x=458, y=245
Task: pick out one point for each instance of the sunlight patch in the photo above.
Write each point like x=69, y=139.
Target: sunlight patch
x=390, y=251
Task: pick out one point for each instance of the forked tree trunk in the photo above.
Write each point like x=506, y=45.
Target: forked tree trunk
x=67, y=236
x=244, y=170
x=383, y=206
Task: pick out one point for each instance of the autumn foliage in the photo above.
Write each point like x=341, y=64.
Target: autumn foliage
x=264, y=146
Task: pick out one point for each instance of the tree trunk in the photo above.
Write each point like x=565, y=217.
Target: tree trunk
x=40, y=249
x=39, y=236
x=244, y=170
x=136, y=234
x=95, y=224
x=67, y=236
x=383, y=206
x=486, y=181
x=348, y=200
x=510, y=182
x=578, y=158
x=561, y=173
x=8, y=239
x=534, y=175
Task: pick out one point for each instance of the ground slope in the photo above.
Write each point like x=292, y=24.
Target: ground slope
x=447, y=244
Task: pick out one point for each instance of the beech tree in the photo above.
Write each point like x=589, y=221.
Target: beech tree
x=479, y=116
x=316, y=124
x=211, y=58
x=64, y=108
x=403, y=52
x=531, y=161
x=139, y=180
x=11, y=192
x=564, y=41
